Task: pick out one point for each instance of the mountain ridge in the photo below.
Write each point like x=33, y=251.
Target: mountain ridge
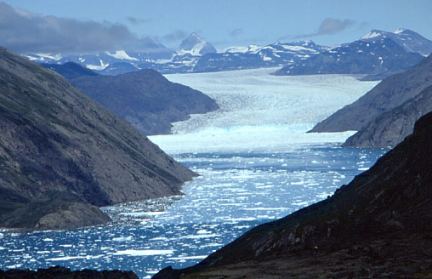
x=198, y=55
x=375, y=54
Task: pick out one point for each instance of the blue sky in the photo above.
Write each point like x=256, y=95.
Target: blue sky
x=239, y=22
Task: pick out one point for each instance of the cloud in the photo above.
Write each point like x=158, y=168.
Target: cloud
x=330, y=26
x=137, y=21
x=175, y=36
x=235, y=33
x=26, y=32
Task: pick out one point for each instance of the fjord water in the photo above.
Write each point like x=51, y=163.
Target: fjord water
x=256, y=163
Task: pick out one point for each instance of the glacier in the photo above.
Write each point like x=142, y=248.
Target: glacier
x=260, y=111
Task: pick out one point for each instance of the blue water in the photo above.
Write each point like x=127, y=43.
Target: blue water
x=236, y=191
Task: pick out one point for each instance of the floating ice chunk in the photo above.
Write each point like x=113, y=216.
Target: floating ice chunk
x=72, y=258
x=198, y=236
x=185, y=258
x=265, y=208
x=132, y=252
x=300, y=203
x=123, y=238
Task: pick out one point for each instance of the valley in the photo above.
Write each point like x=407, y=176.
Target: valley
x=256, y=164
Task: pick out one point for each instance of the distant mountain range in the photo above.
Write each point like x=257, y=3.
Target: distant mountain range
x=253, y=56
x=377, y=54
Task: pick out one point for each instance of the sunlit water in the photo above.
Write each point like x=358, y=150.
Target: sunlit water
x=256, y=164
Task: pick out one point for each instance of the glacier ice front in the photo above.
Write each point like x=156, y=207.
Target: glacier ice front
x=261, y=111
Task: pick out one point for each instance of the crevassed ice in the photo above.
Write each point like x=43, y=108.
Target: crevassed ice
x=260, y=111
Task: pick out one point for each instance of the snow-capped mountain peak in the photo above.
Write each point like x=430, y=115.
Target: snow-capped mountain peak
x=196, y=46
x=399, y=30
x=408, y=39
x=373, y=34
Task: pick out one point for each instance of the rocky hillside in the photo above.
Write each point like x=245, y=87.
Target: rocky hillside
x=377, y=226
x=62, y=155
x=146, y=99
x=387, y=95
x=390, y=128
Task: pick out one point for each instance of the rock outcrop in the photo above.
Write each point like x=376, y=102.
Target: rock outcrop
x=377, y=226
x=62, y=155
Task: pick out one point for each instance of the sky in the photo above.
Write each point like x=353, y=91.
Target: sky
x=222, y=22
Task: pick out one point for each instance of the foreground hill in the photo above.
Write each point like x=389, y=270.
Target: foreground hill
x=61, y=155
x=377, y=226
x=387, y=95
x=146, y=99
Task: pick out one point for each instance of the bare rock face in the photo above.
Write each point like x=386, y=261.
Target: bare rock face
x=58, y=145
x=378, y=226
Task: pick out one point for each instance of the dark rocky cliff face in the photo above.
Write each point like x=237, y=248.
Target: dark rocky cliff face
x=61, y=154
x=378, y=226
x=387, y=95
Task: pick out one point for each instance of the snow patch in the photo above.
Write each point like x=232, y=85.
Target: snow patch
x=122, y=55
x=100, y=67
